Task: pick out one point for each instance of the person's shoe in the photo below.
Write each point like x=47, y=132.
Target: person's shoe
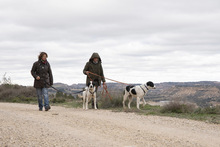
x=47, y=108
x=40, y=109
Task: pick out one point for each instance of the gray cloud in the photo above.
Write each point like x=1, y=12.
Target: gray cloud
x=137, y=40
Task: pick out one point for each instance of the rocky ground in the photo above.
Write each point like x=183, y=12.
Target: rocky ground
x=24, y=125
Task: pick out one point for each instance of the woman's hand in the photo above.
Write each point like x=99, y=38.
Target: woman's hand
x=38, y=78
x=87, y=72
x=104, y=85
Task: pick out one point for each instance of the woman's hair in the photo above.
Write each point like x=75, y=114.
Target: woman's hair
x=41, y=55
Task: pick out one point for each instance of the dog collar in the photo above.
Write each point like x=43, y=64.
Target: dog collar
x=143, y=89
x=91, y=92
x=146, y=87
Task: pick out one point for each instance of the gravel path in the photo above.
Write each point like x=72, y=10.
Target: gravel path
x=24, y=125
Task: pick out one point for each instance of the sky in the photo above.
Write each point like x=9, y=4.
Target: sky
x=138, y=40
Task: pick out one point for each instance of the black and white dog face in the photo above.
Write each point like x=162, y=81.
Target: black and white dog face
x=91, y=85
x=150, y=85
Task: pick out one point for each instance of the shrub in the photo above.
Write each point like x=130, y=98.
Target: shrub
x=178, y=107
x=17, y=93
x=116, y=101
x=64, y=95
x=23, y=99
x=58, y=100
x=209, y=110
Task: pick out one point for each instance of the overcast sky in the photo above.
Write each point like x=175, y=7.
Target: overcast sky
x=138, y=40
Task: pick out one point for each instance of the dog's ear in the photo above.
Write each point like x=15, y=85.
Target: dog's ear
x=88, y=84
x=151, y=84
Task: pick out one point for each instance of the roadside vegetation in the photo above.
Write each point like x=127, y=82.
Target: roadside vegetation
x=24, y=94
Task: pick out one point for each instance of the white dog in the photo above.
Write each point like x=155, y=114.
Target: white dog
x=88, y=94
x=137, y=91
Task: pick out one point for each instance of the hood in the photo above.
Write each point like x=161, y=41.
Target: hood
x=95, y=55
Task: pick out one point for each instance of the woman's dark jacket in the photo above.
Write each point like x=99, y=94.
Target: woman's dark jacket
x=95, y=68
x=42, y=70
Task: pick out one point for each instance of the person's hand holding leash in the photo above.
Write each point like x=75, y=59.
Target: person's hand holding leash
x=38, y=78
x=87, y=72
x=104, y=85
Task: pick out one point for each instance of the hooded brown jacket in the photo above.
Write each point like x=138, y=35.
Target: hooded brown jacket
x=94, y=68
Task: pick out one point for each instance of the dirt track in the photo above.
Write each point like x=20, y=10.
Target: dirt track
x=24, y=125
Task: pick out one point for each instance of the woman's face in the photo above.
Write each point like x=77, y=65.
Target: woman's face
x=44, y=57
x=96, y=60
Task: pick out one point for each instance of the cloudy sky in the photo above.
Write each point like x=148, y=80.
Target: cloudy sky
x=138, y=40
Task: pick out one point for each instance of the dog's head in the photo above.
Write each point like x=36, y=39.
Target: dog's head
x=91, y=85
x=150, y=85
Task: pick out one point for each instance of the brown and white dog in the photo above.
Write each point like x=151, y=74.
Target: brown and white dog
x=88, y=94
x=137, y=91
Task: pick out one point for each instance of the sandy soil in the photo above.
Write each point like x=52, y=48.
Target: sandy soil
x=24, y=125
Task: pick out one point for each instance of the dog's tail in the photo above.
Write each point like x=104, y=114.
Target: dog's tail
x=124, y=92
x=80, y=96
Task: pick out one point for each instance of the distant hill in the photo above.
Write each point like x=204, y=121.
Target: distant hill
x=202, y=93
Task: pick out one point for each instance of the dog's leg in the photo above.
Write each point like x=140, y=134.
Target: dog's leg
x=138, y=102
x=95, y=101
x=130, y=100
x=144, y=102
x=124, y=100
x=84, y=99
x=87, y=101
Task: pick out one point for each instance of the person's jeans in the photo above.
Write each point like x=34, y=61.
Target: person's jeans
x=42, y=93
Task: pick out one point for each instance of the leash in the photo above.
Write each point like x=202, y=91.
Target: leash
x=61, y=91
x=52, y=87
x=105, y=88
x=90, y=77
x=107, y=93
x=107, y=78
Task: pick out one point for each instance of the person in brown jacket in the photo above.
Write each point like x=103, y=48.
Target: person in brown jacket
x=43, y=79
x=95, y=66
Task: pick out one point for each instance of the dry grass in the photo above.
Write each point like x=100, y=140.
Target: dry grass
x=17, y=93
x=178, y=107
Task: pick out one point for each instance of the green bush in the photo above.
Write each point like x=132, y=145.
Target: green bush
x=208, y=110
x=16, y=100
x=64, y=95
x=58, y=100
x=116, y=101
x=17, y=93
x=23, y=99
x=177, y=107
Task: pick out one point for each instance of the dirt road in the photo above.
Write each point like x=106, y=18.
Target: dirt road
x=24, y=125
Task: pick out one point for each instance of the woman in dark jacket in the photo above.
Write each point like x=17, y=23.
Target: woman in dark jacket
x=41, y=71
x=95, y=66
